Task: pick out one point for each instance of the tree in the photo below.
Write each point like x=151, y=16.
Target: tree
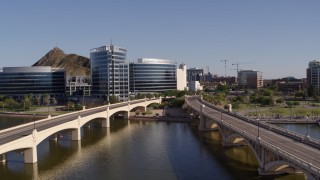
x=27, y=100
x=69, y=105
x=46, y=99
x=38, y=100
x=113, y=99
x=279, y=100
x=143, y=113
x=54, y=101
x=11, y=103
x=312, y=91
x=137, y=113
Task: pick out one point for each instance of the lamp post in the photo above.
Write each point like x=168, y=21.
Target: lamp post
x=307, y=127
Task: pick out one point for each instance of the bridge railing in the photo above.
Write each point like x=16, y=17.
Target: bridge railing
x=72, y=113
x=290, y=157
x=297, y=136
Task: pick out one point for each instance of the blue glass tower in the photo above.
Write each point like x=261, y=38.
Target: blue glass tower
x=109, y=72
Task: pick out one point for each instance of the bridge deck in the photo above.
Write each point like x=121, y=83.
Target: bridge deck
x=293, y=147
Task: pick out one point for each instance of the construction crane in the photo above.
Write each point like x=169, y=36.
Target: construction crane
x=225, y=66
x=237, y=64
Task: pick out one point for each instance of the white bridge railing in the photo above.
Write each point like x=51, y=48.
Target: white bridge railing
x=297, y=136
x=307, y=166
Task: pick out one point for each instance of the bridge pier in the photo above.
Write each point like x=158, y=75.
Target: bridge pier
x=76, y=135
x=202, y=125
x=30, y=155
x=126, y=115
x=3, y=158
x=32, y=170
x=54, y=137
x=106, y=123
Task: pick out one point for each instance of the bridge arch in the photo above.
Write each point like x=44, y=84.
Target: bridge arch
x=235, y=139
x=212, y=124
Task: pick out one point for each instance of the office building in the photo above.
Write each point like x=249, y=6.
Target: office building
x=194, y=74
x=152, y=75
x=78, y=85
x=195, y=86
x=109, y=72
x=313, y=74
x=38, y=80
x=182, y=77
x=250, y=79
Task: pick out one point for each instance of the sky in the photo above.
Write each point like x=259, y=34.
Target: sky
x=276, y=37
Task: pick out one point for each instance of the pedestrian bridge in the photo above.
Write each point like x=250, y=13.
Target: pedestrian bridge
x=277, y=150
x=26, y=137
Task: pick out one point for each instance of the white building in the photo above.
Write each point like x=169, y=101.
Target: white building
x=78, y=85
x=195, y=86
x=182, y=77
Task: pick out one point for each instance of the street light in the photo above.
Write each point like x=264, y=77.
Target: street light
x=307, y=127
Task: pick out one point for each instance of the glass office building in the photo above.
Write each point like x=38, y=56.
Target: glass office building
x=109, y=72
x=152, y=75
x=18, y=81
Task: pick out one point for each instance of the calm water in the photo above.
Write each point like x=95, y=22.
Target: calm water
x=136, y=150
x=311, y=129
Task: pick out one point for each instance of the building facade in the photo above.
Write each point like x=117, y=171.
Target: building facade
x=182, y=77
x=194, y=74
x=250, y=79
x=152, y=75
x=37, y=80
x=313, y=74
x=78, y=85
x=195, y=86
x=109, y=72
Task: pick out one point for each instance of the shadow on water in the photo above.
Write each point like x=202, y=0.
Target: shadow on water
x=239, y=160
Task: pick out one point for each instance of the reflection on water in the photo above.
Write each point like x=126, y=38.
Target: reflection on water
x=136, y=150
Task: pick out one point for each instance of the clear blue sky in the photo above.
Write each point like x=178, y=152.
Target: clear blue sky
x=277, y=37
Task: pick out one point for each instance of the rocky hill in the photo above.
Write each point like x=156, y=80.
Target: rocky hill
x=72, y=63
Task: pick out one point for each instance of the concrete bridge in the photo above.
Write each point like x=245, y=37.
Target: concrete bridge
x=26, y=137
x=277, y=151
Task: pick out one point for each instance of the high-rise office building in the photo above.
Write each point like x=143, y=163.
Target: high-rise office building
x=36, y=80
x=250, y=79
x=313, y=74
x=152, y=75
x=109, y=72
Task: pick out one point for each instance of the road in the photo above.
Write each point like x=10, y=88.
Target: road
x=16, y=133
x=298, y=149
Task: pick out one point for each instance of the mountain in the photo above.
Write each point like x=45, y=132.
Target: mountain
x=72, y=63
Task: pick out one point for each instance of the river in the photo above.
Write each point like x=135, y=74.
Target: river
x=137, y=150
